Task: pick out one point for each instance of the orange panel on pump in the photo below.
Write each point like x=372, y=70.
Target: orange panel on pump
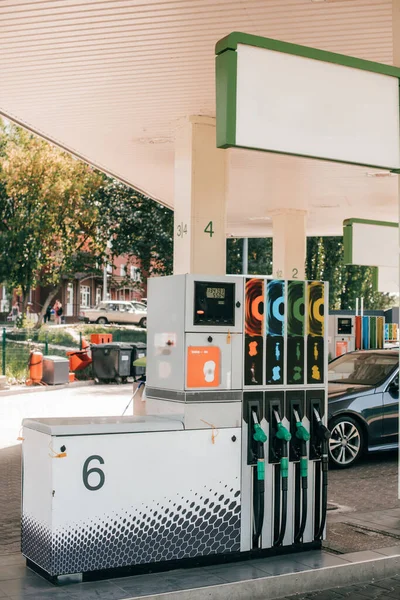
x=342, y=347
x=203, y=366
x=358, y=332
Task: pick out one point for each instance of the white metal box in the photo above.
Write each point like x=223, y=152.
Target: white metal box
x=100, y=493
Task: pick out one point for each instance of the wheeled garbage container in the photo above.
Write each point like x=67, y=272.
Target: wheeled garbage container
x=139, y=349
x=112, y=362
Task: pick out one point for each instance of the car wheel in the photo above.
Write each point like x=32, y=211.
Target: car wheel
x=102, y=321
x=143, y=322
x=346, y=444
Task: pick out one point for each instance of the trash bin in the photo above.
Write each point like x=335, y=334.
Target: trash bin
x=138, y=351
x=111, y=362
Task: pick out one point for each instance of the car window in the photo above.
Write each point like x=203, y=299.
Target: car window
x=139, y=306
x=102, y=306
x=370, y=368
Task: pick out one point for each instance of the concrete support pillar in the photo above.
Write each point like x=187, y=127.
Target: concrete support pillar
x=199, y=200
x=396, y=62
x=289, y=243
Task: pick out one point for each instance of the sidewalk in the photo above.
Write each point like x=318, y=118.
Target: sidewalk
x=303, y=574
x=60, y=401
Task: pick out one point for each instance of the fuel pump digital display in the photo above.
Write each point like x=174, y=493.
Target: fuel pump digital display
x=344, y=326
x=214, y=304
x=216, y=293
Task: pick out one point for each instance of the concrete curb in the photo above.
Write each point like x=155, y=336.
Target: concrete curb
x=43, y=388
x=280, y=586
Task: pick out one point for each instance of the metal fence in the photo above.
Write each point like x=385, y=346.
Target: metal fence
x=17, y=345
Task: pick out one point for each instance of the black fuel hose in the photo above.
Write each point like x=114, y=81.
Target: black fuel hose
x=258, y=507
x=284, y=472
x=283, y=520
x=304, y=499
x=304, y=491
x=258, y=481
x=324, y=499
x=304, y=502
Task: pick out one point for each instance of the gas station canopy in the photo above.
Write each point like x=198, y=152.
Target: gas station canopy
x=111, y=81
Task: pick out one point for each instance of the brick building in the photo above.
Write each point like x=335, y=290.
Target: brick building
x=86, y=290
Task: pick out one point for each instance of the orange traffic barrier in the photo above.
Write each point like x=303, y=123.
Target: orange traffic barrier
x=85, y=344
x=101, y=338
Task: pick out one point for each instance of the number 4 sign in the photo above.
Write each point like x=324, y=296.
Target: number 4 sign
x=209, y=229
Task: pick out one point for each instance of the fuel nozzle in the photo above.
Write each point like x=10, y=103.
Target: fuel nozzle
x=284, y=435
x=303, y=436
x=301, y=432
x=282, y=432
x=260, y=437
x=321, y=431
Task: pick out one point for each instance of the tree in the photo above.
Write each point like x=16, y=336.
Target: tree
x=325, y=262
x=137, y=227
x=48, y=214
x=259, y=256
x=234, y=256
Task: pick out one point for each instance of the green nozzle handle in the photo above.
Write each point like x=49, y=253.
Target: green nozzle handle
x=283, y=433
x=303, y=467
x=260, y=469
x=284, y=467
x=301, y=432
x=259, y=435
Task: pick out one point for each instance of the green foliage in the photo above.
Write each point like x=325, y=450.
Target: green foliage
x=137, y=227
x=346, y=283
x=234, y=256
x=58, y=337
x=259, y=256
x=48, y=213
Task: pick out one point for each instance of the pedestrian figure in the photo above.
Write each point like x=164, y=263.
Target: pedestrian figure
x=47, y=314
x=15, y=311
x=58, y=311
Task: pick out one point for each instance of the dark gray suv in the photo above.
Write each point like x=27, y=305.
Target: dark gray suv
x=363, y=404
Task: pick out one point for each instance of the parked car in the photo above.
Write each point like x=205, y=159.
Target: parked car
x=116, y=311
x=363, y=404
